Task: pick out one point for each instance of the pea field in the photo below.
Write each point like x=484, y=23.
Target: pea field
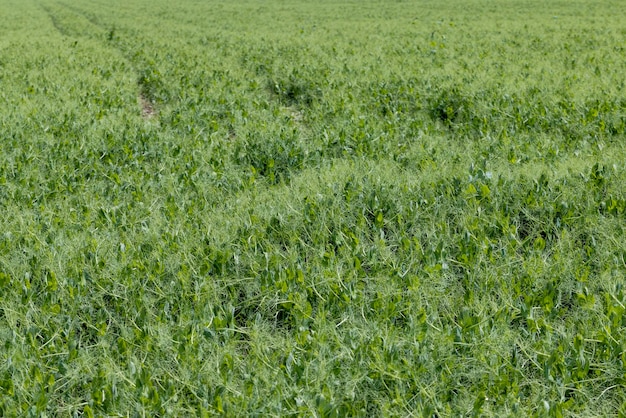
x=332, y=208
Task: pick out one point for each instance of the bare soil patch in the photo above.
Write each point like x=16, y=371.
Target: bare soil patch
x=148, y=110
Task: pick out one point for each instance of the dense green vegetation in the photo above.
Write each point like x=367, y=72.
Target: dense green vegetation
x=293, y=208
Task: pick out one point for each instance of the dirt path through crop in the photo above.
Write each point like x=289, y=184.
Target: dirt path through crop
x=100, y=32
x=148, y=110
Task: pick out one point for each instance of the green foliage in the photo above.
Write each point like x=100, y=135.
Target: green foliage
x=312, y=209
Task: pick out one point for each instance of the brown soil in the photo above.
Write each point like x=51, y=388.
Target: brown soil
x=147, y=107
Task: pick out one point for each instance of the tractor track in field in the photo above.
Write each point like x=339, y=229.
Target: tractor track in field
x=147, y=103
x=55, y=21
x=92, y=19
